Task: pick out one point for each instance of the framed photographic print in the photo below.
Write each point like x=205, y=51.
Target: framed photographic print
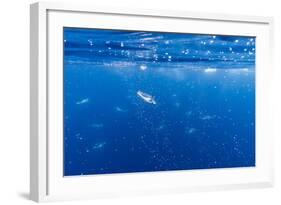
x=128, y=102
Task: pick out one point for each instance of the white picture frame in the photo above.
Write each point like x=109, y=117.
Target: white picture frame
x=46, y=177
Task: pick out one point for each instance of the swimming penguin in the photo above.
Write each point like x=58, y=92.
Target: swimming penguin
x=146, y=97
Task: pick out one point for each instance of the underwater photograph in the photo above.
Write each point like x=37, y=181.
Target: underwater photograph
x=142, y=101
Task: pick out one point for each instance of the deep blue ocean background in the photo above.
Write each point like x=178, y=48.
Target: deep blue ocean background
x=203, y=86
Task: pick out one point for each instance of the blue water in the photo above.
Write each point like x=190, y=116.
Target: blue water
x=197, y=110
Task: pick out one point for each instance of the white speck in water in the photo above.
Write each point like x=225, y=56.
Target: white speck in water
x=177, y=104
x=97, y=125
x=191, y=130
x=155, y=56
x=78, y=136
x=122, y=44
x=143, y=67
x=203, y=42
x=207, y=117
x=99, y=145
x=90, y=42
x=83, y=101
x=185, y=51
x=119, y=109
x=210, y=70
x=236, y=41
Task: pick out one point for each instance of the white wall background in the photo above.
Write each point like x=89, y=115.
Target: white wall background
x=14, y=101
